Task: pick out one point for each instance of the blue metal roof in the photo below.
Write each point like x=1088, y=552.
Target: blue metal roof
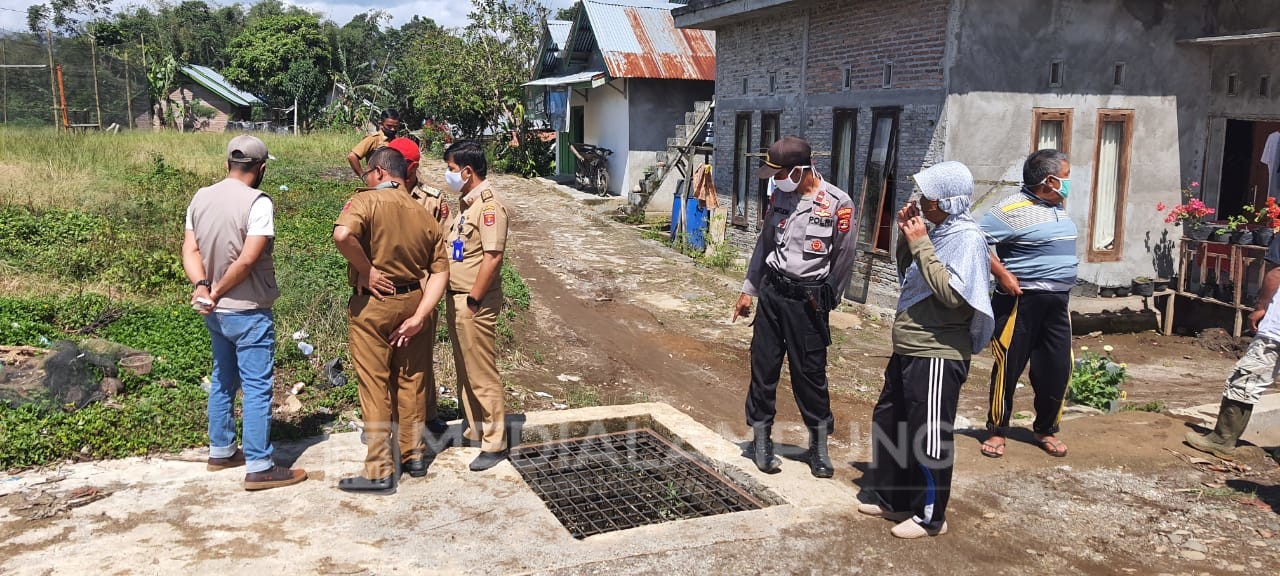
x=559, y=30
x=215, y=83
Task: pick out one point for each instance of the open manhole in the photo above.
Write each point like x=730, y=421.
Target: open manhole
x=623, y=480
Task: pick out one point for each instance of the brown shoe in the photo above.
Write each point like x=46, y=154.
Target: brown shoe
x=233, y=461
x=273, y=477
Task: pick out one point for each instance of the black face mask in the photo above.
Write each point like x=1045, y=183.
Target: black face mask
x=389, y=133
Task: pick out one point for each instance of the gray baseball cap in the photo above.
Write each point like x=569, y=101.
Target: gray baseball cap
x=247, y=149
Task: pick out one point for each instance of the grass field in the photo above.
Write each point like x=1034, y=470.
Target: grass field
x=90, y=231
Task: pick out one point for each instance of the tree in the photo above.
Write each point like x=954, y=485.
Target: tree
x=568, y=14
x=262, y=56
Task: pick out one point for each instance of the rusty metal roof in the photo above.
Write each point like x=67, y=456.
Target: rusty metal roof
x=639, y=39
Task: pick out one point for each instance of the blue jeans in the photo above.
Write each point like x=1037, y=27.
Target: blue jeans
x=243, y=359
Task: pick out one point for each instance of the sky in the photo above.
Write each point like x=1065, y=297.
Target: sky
x=448, y=13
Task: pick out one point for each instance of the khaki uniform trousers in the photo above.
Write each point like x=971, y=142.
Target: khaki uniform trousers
x=475, y=358
x=392, y=392
x=432, y=396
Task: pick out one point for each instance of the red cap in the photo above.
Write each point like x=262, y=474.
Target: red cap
x=406, y=147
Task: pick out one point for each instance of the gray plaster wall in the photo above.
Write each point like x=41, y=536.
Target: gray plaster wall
x=658, y=106
x=1003, y=52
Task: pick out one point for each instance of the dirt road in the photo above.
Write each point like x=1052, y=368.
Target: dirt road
x=616, y=318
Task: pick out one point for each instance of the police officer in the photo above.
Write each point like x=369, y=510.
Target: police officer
x=477, y=239
x=430, y=198
x=799, y=269
x=388, y=127
x=399, y=270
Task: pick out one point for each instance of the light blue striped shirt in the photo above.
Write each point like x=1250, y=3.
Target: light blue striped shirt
x=1036, y=242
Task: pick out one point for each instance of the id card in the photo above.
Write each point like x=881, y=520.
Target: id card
x=457, y=250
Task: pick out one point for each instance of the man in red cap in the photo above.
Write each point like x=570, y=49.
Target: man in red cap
x=799, y=269
x=431, y=199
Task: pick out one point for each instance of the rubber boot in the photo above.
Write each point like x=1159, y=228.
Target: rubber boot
x=819, y=461
x=762, y=450
x=1233, y=417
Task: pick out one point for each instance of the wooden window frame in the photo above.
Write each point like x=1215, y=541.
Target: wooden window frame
x=873, y=242
x=762, y=186
x=838, y=155
x=1040, y=114
x=741, y=162
x=1122, y=191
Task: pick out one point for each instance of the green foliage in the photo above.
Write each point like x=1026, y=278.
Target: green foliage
x=516, y=295
x=722, y=258
x=1096, y=380
x=269, y=47
x=1152, y=406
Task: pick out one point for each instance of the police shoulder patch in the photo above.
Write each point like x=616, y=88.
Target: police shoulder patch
x=490, y=217
x=844, y=219
x=444, y=211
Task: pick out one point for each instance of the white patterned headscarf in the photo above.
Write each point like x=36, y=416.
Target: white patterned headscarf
x=959, y=244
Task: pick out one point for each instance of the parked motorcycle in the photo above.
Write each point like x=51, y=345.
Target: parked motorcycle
x=593, y=172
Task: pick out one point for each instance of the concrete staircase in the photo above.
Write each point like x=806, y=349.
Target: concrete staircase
x=676, y=158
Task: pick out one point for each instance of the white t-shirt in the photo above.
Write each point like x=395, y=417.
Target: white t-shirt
x=261, y=218
x=1271, y=158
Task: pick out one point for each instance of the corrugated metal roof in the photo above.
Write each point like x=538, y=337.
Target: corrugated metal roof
x=579, y=78
x=218, y=85
x=559, y=30
x=639, y=39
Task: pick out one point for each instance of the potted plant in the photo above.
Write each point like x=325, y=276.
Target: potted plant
x=1143, y=286
x=1219, y=234
x=1190, y=214
x=1160, y=285
x=1107, y=291
x=1122, y=291
x=1267, y=219
x=1236, y=226
x=1173, y=282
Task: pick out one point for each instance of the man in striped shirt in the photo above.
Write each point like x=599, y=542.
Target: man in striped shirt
x=1034, y=264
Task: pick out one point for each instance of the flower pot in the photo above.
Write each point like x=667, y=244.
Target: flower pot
x=1122, y=291
x=1223, y=292
x=1147, y=288
x=1242, y=237
x=139, y=364
x=1200, y=232
x=1263, y=236
x=1219, y=234
x=1161, y=285
x=1107, y=291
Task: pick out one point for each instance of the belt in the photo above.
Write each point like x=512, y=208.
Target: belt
x=790, y=287
x=402, y=289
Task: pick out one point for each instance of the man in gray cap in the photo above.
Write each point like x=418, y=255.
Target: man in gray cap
x=799, y=269
x=230, y=234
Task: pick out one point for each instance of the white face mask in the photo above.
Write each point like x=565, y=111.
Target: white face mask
x=787, y=184
x=454, y=180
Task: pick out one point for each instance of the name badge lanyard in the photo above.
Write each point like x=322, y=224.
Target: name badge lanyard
x=457, y=242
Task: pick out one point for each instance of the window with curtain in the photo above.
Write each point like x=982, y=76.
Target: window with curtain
x=1110, y=179
x=1051, y=129
x=844, y=129
x=769, y=128
x=876, y=209
x=741, y=167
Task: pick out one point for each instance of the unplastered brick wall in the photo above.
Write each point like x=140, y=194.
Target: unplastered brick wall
x=864, y=35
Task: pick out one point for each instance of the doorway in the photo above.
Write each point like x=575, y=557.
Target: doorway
x=577, y=116
x=1246, y=180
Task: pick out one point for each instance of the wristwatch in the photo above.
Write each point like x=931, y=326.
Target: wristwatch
x=471, y=301
x=206, y=283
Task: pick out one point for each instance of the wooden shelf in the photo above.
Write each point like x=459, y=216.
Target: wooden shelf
x=1237, y=258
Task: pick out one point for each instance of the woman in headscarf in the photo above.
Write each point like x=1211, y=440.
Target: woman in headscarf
x=943, y=318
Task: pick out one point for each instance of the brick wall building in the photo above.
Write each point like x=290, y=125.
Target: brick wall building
x=1145, y=96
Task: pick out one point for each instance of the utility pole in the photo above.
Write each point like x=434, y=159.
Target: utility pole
x=128, y=96
x=93, y=51
x=5, y=70
x=295, y=115
x=66, y=122
x=53, y=88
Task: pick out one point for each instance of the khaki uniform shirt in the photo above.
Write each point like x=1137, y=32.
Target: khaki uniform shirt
x=432, y=199
x=482, y=226
x=369, y=144
x=397, y=234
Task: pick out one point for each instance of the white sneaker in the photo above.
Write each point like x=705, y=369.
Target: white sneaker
x=911, y=530
x=878, y=512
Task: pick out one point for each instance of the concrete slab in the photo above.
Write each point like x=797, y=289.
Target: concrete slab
x=1264, y=425
x=171, y=516
x=585, y=198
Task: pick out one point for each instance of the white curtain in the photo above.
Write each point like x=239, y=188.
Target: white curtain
x=1050, y=135
x=844, y=175
x=1104, y=198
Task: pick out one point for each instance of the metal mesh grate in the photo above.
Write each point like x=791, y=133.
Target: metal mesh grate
x=624, y=480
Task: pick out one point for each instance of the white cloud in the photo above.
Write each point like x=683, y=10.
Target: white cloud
x=448, y=13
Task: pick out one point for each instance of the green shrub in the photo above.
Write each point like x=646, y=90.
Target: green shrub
x=1096, y=380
